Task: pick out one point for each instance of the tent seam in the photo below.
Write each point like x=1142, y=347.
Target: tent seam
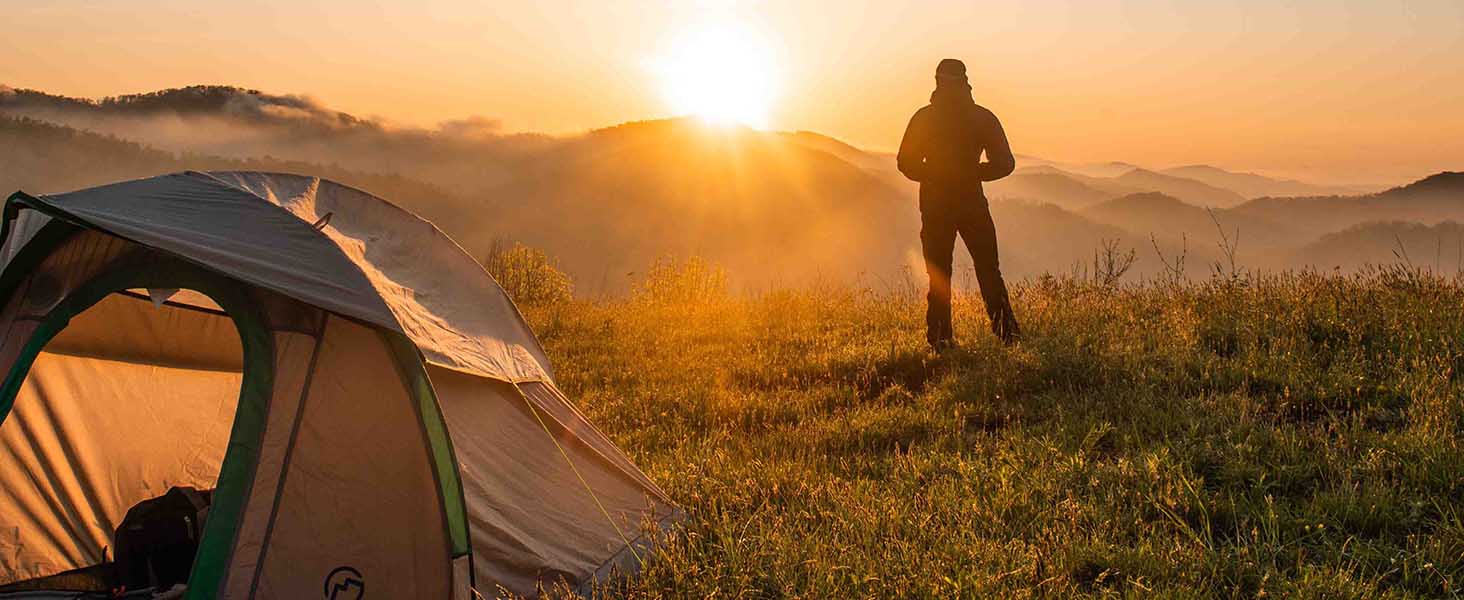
x=279, y=491
x=546, y=369
x=315, y=185
x=55, y=210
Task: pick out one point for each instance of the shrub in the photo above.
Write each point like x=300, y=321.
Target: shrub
x=681, y=281
x=529, y=276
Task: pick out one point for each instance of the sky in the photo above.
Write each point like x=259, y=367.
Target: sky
x=1332, y=90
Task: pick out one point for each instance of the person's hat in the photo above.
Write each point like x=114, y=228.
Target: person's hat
x=952, y=69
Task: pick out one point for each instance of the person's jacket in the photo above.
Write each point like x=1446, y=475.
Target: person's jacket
x=943, y=144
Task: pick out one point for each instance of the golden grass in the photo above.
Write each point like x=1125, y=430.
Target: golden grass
x=1288, y=435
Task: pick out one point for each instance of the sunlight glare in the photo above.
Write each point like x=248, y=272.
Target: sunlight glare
x=723, y=73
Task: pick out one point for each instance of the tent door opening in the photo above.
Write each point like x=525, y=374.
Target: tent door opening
x=129, y=395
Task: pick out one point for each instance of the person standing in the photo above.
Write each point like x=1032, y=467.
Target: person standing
x=942, y=151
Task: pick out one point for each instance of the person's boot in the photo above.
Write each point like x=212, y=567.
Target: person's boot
x=940, y=336
x=943, y=344
x=938, y=331
x=1008, y=330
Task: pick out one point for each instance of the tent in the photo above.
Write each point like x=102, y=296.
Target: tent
x=370, y=408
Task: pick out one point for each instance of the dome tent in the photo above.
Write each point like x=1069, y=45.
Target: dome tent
x=363, y=397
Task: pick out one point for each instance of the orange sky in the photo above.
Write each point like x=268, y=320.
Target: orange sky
x=1345, y=90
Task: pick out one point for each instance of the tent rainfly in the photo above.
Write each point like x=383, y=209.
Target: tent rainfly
x=369, y=408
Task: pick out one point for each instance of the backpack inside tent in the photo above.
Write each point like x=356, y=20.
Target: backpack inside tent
x=256, y=385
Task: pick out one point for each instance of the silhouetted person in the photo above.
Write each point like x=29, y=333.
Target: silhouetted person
x=942, y=150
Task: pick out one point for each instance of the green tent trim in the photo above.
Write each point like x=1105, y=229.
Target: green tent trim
x=444, y=459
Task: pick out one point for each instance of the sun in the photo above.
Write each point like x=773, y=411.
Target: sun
x=722, y=72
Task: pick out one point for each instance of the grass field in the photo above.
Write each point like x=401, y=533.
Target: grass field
x=1291, y=436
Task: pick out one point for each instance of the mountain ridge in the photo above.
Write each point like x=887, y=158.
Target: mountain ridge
x=1191, y=190
x=311, y=118
x=769, y=205
x=1254, y=185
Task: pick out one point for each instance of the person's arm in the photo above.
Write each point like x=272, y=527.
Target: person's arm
x=999, y=160
x=911, y=159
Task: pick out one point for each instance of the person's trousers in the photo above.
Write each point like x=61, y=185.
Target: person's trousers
x=941, y=218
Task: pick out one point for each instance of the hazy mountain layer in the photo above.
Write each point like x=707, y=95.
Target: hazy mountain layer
x=1251, y=185
x=1055, y=186
x=761, y=203
x=1189, y=190
x=774, y=208
x=465, y=156
x=1435, y=199
x=1438, y=247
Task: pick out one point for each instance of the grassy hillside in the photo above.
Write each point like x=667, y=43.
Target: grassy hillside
x=1285, y=436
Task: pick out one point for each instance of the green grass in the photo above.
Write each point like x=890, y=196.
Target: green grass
x=1285, y=436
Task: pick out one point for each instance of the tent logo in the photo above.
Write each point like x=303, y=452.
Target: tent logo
x=345, y=583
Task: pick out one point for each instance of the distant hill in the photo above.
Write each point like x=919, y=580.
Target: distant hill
x=1429, y=201
x=874, y=161
x=1148, y=212
x=1251, y=185
x=1188, y=190
x=1043, y=238
x=465, y=156
x=760, y=203
x=1104, y=169
x=1248, y=185
x=1438, y=247
x=40, y=158
x=244, y=104
x=1163, y=217
x=1107, y=185
x=1049, y=184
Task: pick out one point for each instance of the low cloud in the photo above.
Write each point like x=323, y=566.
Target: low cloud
x=287, y=108
x=471, y=127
